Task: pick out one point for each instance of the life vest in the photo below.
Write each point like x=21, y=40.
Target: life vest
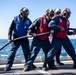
x=20, y=26
x=42, y=29
x=62, y=23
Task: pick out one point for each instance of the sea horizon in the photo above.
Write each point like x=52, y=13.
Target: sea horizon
x=19, y=55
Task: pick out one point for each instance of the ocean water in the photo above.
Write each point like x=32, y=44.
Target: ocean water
x=19, y=55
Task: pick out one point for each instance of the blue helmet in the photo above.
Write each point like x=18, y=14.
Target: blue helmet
x=24, y=10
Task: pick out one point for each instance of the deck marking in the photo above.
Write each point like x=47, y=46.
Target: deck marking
x=42, y=72
x=34, y=63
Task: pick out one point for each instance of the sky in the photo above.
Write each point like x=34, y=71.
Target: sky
x=11, y=8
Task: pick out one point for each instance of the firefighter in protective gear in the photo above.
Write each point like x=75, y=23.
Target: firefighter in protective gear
x=19, y=28
x=57, y=12
x=40, y=25
x=60, y=37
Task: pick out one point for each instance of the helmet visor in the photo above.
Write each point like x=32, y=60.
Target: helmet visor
x=52, y=14
x=25, y=11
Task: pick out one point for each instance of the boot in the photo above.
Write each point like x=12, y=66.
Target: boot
x=27, y=68
x=74, y=65
x=44, y=66
x=52, y=66
x=33, y=66
x=7, y=69
x=60, y=63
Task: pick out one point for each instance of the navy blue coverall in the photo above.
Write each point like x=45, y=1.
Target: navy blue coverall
x=19, y=28
x=57, y=42
x=37, y=44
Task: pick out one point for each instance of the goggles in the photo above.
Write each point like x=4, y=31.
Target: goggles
x=67, y=14
x=50, y=14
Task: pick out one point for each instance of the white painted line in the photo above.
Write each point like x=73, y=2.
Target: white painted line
x=42, y=72
x=14, y=73
x=13, y=65
x=21, y=64
x=67, y=61
x=34, y=63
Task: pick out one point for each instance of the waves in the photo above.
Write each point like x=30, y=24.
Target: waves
x=19, y=55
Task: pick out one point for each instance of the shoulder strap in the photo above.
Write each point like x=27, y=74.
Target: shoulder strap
x=16, y=19
x=41, y=20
